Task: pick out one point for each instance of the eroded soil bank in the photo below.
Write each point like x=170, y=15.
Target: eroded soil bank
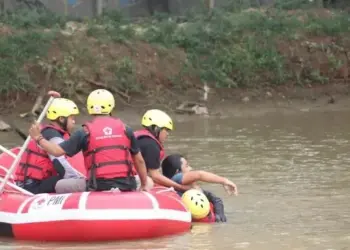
x=250, y=60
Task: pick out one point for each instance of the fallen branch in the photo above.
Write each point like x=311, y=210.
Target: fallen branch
x=12, y=126
x=43, y=91
x=125, y=102
x=38, y=102
x=113, y=89
x=4, y=126
x=192, y=108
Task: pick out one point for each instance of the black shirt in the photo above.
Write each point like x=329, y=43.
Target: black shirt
x=150, y=151
x=49, y=133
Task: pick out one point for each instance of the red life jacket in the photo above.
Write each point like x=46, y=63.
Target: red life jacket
x=35, y=162
x=145, y=133
x=108, y=154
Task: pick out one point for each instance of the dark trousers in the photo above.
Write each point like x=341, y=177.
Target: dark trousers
x=40, y=186
x=123, y=184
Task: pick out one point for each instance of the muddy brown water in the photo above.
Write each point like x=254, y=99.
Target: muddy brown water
x=292, y=173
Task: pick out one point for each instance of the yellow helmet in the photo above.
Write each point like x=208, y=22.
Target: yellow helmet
x=158, y=118
x=61, y=107
x=197, y=203
x=100, y=101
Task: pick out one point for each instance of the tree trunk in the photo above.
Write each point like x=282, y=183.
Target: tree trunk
x=2, y=6
x=210, y=4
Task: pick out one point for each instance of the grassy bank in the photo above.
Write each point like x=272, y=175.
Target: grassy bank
x=230, y=47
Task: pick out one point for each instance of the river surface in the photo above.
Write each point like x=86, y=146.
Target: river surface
x=293, y=179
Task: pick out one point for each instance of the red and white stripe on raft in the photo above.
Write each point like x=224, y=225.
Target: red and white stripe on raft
x=94, y=216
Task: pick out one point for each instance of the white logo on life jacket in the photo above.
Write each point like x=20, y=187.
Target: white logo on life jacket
x=107, y=131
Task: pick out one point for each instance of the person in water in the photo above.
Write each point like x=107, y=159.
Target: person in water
x=109, y=146
x=39, y=172
x=176, y=168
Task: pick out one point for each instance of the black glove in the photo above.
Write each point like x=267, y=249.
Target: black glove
x=218, y=206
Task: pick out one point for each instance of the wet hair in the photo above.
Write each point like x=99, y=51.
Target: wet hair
x=171, y=164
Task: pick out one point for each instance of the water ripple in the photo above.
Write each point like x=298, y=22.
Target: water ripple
x=292, y=174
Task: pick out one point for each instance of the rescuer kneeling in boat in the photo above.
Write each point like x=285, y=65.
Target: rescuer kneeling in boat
x=157, y=125
x=176, y=167
x=110, y=148
x=39, y=172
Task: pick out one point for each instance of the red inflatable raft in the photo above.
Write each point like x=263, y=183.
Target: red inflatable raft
x=89, y=216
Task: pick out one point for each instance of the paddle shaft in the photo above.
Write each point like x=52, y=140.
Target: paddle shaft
x=23, y=148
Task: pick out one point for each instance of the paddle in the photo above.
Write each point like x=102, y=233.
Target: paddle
x=52, y=95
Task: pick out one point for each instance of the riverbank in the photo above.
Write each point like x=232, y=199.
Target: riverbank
x=245, y=58
x=325, y=99
x=239, y=103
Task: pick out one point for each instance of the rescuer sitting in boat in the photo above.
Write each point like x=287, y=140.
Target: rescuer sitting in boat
x=157, y=125
x=110, y=148
x=176, y=167
x=39, y=172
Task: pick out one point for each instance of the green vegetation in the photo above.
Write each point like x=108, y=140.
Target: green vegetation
x=230, y=47
x=21, y=43
x=15, y=51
